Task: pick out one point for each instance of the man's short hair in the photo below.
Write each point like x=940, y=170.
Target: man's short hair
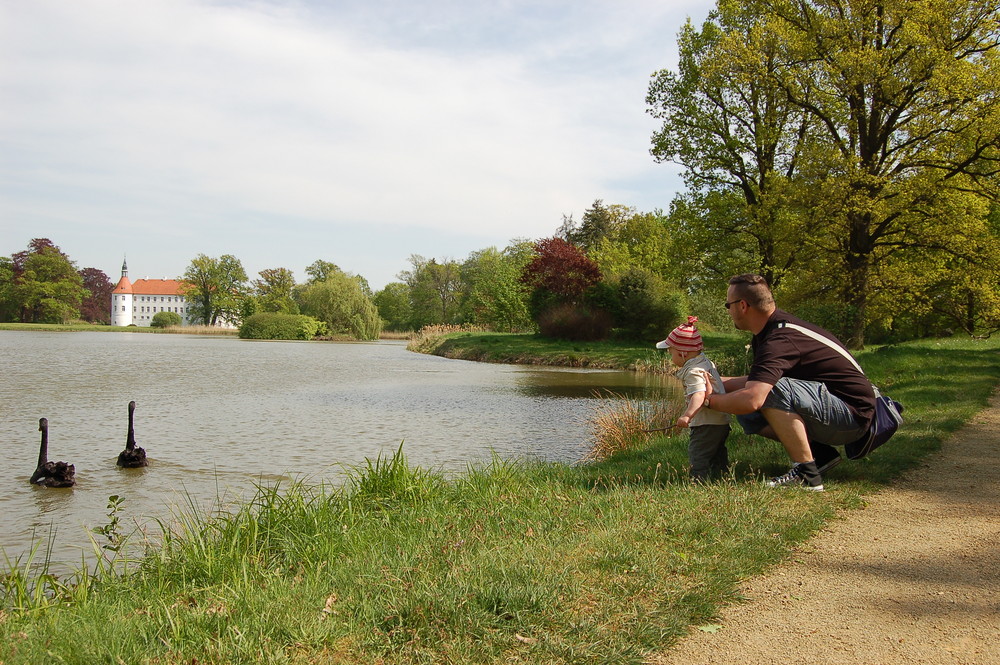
x=754, y=290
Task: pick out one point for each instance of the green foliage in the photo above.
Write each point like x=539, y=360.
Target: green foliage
x=49, y=289
x=598, y=222
x=320, y=270
x=275, y=325
x=215, y=289
x=340, y=302
x=858, y=137
x=8, y=304
x=641, y=304
x=495, y=295
x=393, y=303
x=165, y=320
x=273, y=291
x=436, y=290
x=738, y=137
x=641, y=240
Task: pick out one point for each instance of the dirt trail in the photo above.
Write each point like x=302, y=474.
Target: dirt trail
x=912, y=578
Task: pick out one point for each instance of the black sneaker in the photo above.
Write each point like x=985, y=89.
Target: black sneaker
x=826, y=456
x=800, y=475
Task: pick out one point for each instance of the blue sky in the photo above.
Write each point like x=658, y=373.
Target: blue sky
x=357, y=132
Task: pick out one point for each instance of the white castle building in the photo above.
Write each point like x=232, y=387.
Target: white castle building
x=135, y=303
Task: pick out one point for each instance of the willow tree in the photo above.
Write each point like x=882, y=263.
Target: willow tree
x=905, y=96
x=340, y=301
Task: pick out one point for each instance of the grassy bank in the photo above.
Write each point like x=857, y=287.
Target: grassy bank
x=514, y=562
x=728, y=350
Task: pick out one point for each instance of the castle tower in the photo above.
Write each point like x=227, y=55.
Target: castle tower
x=122, y=300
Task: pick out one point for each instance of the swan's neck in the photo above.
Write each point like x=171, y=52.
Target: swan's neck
x=130, y=440
x=43, y=449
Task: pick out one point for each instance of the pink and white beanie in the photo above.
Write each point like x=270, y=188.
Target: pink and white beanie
x=684, y=337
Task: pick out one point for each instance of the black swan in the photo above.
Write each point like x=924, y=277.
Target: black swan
x=51, y=474
x=133, y=456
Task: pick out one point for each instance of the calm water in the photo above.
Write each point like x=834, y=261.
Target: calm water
x=217, y=414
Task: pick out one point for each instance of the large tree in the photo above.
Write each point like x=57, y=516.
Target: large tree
x=435, y=290
x=495, y=295
x=905, y=93
x=598, y=222
x=8, y=305
x=48, y=289
x=897, y=105
x=393, y=302
x=341, y=302
x=215, y=289
x=274, y=291
x=96, y=306
x=319, y=270
x=641, y=240
x=740, y=140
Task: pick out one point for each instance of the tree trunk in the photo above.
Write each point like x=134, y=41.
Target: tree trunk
x=858, y=266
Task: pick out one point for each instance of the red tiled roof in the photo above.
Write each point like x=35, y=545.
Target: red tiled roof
x=124, y=286
x=157, y=287
x=150, y=287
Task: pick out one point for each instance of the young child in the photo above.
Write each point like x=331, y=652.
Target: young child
x=707, y=450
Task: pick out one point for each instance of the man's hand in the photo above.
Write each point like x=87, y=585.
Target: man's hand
x=708, y=382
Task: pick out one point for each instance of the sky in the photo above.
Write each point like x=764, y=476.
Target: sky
x=358, y=132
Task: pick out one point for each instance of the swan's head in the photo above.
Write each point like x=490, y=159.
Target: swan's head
x=131, y=405
x=43, y=424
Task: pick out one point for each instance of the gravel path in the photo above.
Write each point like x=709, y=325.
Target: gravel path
x=912, y=578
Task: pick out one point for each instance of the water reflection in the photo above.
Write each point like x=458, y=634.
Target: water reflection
x=217, y=415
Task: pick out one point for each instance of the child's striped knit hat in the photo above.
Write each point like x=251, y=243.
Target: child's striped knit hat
x=684, y=337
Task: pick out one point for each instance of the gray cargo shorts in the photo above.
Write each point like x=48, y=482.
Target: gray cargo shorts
x=826, y=416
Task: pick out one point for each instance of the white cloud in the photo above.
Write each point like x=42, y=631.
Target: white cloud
x=190, y=118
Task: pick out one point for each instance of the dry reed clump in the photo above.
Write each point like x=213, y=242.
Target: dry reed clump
x=196, y=329
x=621, y=423
x=428, y=338
x=396, y=334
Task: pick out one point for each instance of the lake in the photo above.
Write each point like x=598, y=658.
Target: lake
x=218, y=415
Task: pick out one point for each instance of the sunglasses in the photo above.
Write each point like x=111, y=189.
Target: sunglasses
x=733, y=302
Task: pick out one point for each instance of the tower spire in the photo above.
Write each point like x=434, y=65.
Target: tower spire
x=124, y=267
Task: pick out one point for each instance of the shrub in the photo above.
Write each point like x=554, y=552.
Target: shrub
x=165, y=320
x=575, y=322
x=559, y=274
x=643, y=306
x=272, y=325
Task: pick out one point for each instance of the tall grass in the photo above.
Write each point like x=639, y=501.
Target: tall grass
x=619, y=423
x=512, y=561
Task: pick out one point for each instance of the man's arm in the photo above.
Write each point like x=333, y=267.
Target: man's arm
x=733, y=383
x=747, y=398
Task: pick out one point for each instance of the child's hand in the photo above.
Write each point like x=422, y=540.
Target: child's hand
x=682, y=421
